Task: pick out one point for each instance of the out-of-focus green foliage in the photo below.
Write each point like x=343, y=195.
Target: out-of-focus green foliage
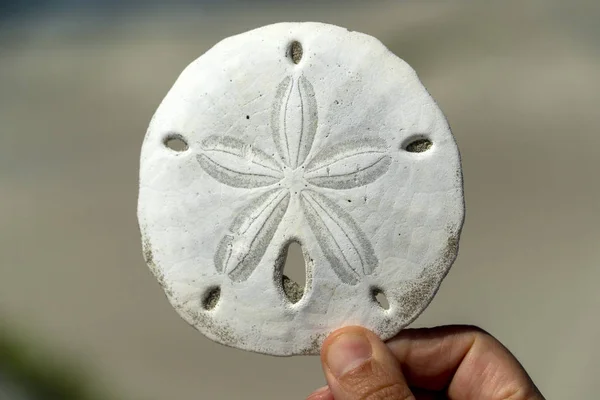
x=29, y=373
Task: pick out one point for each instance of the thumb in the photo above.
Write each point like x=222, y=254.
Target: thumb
x=359, y=366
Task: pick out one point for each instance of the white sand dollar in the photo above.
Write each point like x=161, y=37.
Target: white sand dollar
x=308, y=133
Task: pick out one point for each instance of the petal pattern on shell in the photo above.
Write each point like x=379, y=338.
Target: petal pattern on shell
x=344, y=244
x=237, y=164
x=349, y=164
x=294, y=120
x=250, y=234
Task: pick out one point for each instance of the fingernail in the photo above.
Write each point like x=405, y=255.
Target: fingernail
x=348, y=351
x=321, y=390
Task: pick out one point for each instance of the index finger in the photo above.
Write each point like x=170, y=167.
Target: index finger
x=464, y=361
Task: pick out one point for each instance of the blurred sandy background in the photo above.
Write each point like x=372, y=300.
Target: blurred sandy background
x=518, y=81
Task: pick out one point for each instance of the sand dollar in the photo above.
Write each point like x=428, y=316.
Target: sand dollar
x=307, y=133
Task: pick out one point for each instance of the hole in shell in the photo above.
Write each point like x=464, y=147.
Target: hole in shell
x=211, y=298
x=293, y=279
x=418, y=145
x=176, y=142
x=295, y=51
x=380, y=298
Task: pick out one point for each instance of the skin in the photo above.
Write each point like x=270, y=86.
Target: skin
x=448, y=362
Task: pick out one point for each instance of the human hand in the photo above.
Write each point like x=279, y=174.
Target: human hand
x=448, y=362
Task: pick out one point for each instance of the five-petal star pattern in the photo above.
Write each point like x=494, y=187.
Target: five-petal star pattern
x=295, y=172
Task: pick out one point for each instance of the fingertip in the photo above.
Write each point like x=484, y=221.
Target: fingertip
x=356, y=363
x=322, y=393
x=346, y=350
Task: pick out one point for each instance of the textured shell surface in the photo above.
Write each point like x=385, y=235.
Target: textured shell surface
x=307, y=133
